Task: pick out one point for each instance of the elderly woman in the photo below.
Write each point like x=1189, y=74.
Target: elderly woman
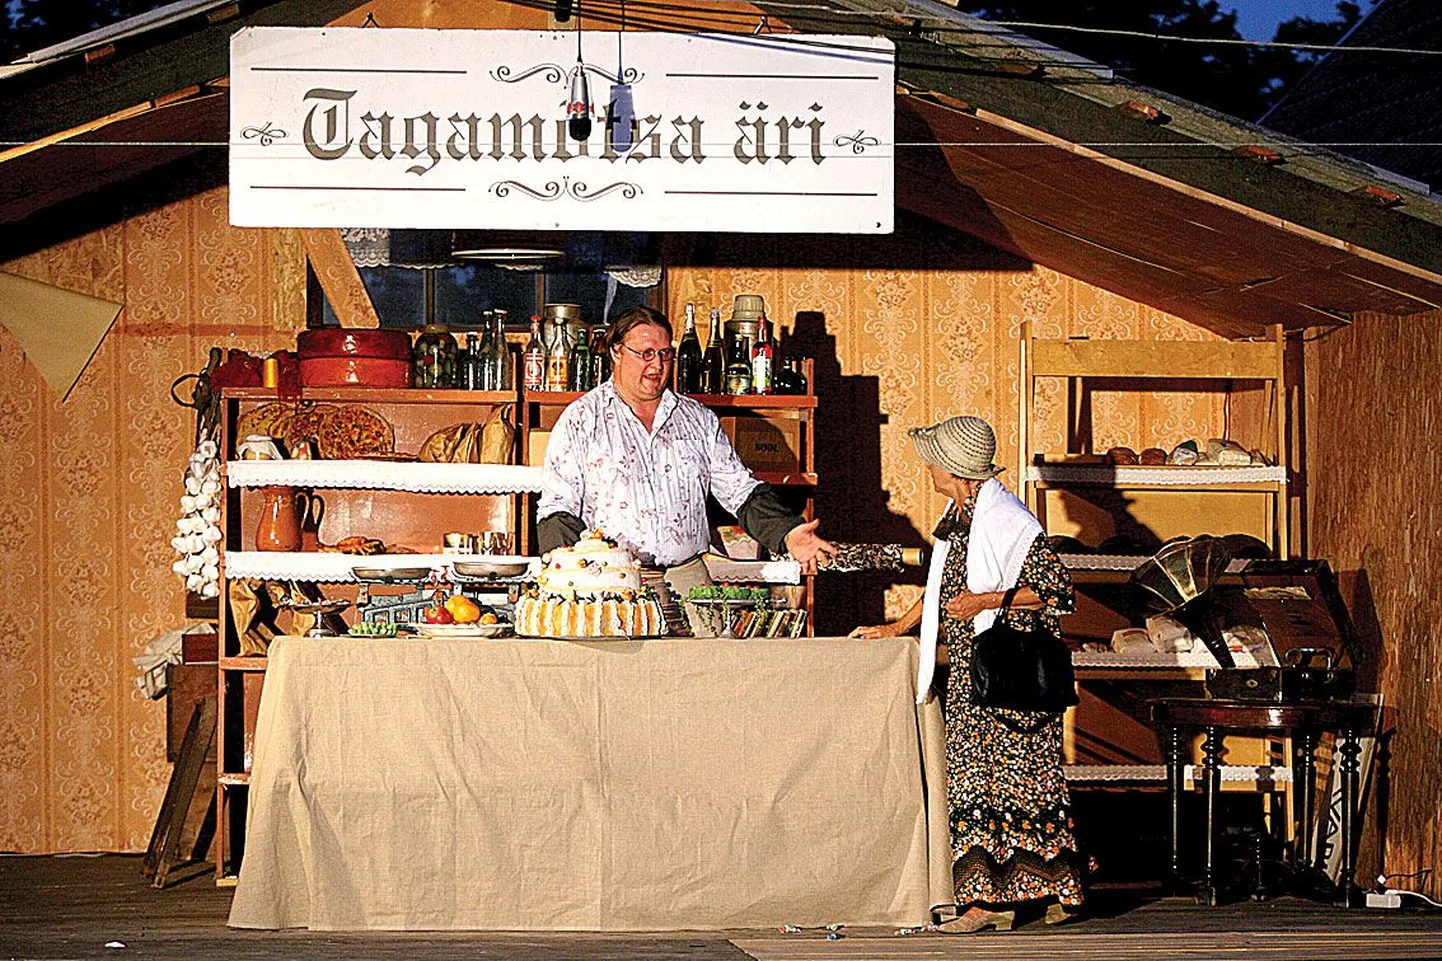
x=1011, y=830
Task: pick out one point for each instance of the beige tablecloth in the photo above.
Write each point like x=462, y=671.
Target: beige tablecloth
x=517, y=784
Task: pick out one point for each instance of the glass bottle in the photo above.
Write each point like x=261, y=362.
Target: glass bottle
x=688, y=356
x=713, y=362
x=468, y=364
x=578, y=377
x=433, y=358
x=738, y=366
x=763, y=358
x=789, y=378
x=533, y=359
x=600, y=357
x=558, y=358
x=502, y=367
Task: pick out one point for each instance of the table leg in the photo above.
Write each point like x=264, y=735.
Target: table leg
x=1176, y=784
x=1212, y=774
x=1348, y=894
x=1304, y=774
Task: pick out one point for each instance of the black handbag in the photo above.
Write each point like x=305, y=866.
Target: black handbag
x=1021, y=670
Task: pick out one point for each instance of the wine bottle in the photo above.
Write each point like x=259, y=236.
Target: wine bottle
x=579, y=373
x=600, y=358
x=713, y=362
x=763, y=356
x=688, y=356
x=534, y=358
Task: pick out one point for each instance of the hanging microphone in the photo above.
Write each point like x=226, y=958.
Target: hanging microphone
x=579, y=107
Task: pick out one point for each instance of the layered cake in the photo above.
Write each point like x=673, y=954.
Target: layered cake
x=592, y=589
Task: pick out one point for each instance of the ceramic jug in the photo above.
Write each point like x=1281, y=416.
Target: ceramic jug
x=280, y=519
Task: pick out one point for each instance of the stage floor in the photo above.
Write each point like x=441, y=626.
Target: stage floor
x=71, y=907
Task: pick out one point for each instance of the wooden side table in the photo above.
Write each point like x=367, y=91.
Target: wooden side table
x=1177, y=718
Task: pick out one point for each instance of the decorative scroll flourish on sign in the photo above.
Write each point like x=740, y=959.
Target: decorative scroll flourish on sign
x=554, y=189
x=266, y=134
x=857, y=142
x=555, y=73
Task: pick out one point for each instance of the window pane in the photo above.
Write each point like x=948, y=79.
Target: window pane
x=398, y=293
x=589, y=291
x=464, y=291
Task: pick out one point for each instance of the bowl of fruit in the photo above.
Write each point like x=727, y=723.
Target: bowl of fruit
x=460, y=616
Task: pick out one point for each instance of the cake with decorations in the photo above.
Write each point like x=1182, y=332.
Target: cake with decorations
x=592, y=589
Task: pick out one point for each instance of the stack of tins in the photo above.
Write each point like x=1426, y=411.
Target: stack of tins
x=333, y=357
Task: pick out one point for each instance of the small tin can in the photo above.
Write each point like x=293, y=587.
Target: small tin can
x=270, y=372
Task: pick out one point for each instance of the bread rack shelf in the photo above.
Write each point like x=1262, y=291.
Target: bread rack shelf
x=424, y=478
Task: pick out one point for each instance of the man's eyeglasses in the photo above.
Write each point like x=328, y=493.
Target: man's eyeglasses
x=665, y=354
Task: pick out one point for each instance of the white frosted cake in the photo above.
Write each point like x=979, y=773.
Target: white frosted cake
x=592, y=589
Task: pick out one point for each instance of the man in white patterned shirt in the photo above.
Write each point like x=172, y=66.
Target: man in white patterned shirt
x=636, y=460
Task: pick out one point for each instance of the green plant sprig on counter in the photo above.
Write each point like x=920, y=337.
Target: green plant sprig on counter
x=728, y=592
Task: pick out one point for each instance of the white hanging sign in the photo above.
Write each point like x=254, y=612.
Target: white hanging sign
x=352, y=127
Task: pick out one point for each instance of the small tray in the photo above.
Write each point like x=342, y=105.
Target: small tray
x=392, y=575
x=601, y=639
x=485, y=568
x=500, y=629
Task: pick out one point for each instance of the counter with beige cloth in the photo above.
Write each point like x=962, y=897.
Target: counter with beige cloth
x=633, y=785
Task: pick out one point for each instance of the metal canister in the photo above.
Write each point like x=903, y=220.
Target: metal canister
x=745, y=322
x=563, y=317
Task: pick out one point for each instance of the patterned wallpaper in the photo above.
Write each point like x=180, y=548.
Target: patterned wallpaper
x=931, y=330
x=904, y=330
x=88, y=502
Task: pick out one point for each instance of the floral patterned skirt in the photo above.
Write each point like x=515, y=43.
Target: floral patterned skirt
x=1012, y=837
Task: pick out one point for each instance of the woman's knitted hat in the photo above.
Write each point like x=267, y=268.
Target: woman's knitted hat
x=964, y=446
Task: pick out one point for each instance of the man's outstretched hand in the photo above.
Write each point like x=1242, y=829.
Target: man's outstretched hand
x=807, y=548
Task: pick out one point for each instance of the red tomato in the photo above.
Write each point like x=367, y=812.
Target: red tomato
x=438, y=615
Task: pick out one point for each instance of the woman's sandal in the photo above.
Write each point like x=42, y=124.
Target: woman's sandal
x=976, y=919
x=1058, y=913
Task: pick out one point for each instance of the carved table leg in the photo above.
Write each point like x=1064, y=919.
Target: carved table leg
x=1348, y=894
x=1176, y=784
x=1212, y=774
x=1304, y=776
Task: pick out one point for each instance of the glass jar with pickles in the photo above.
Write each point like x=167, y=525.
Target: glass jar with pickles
x=433, y=358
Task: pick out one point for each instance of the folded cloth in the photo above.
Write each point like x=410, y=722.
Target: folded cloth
x=1001, y=535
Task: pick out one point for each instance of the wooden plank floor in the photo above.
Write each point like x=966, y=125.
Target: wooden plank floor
x=70, y=907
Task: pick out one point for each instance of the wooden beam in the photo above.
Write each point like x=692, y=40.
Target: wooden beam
x=1223, y=360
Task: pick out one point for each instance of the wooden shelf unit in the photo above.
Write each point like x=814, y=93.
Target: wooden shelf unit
x=415, y=519
x=1190, y=501
x=1257, y=506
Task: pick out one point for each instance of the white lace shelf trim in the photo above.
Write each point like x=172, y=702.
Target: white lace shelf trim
x=1122, y=475
x=762, y=572
x=1158, y=772
x=1202, y=658
x=384, y=475
x=1123, y=562
x=336, y=568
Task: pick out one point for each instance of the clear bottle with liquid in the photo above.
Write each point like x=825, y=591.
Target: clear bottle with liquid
x=533, y=359
x=763, y=359
x=558, y=358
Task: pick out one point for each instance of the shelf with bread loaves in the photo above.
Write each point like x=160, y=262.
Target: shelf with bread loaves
x=1079, y=494
x=774, y=434
x=362, y=497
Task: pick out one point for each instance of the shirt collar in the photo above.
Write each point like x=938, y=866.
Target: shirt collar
x=663, y=410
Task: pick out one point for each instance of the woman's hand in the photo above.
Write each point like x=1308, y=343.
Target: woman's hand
x=967, y=605
x=889, y=629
